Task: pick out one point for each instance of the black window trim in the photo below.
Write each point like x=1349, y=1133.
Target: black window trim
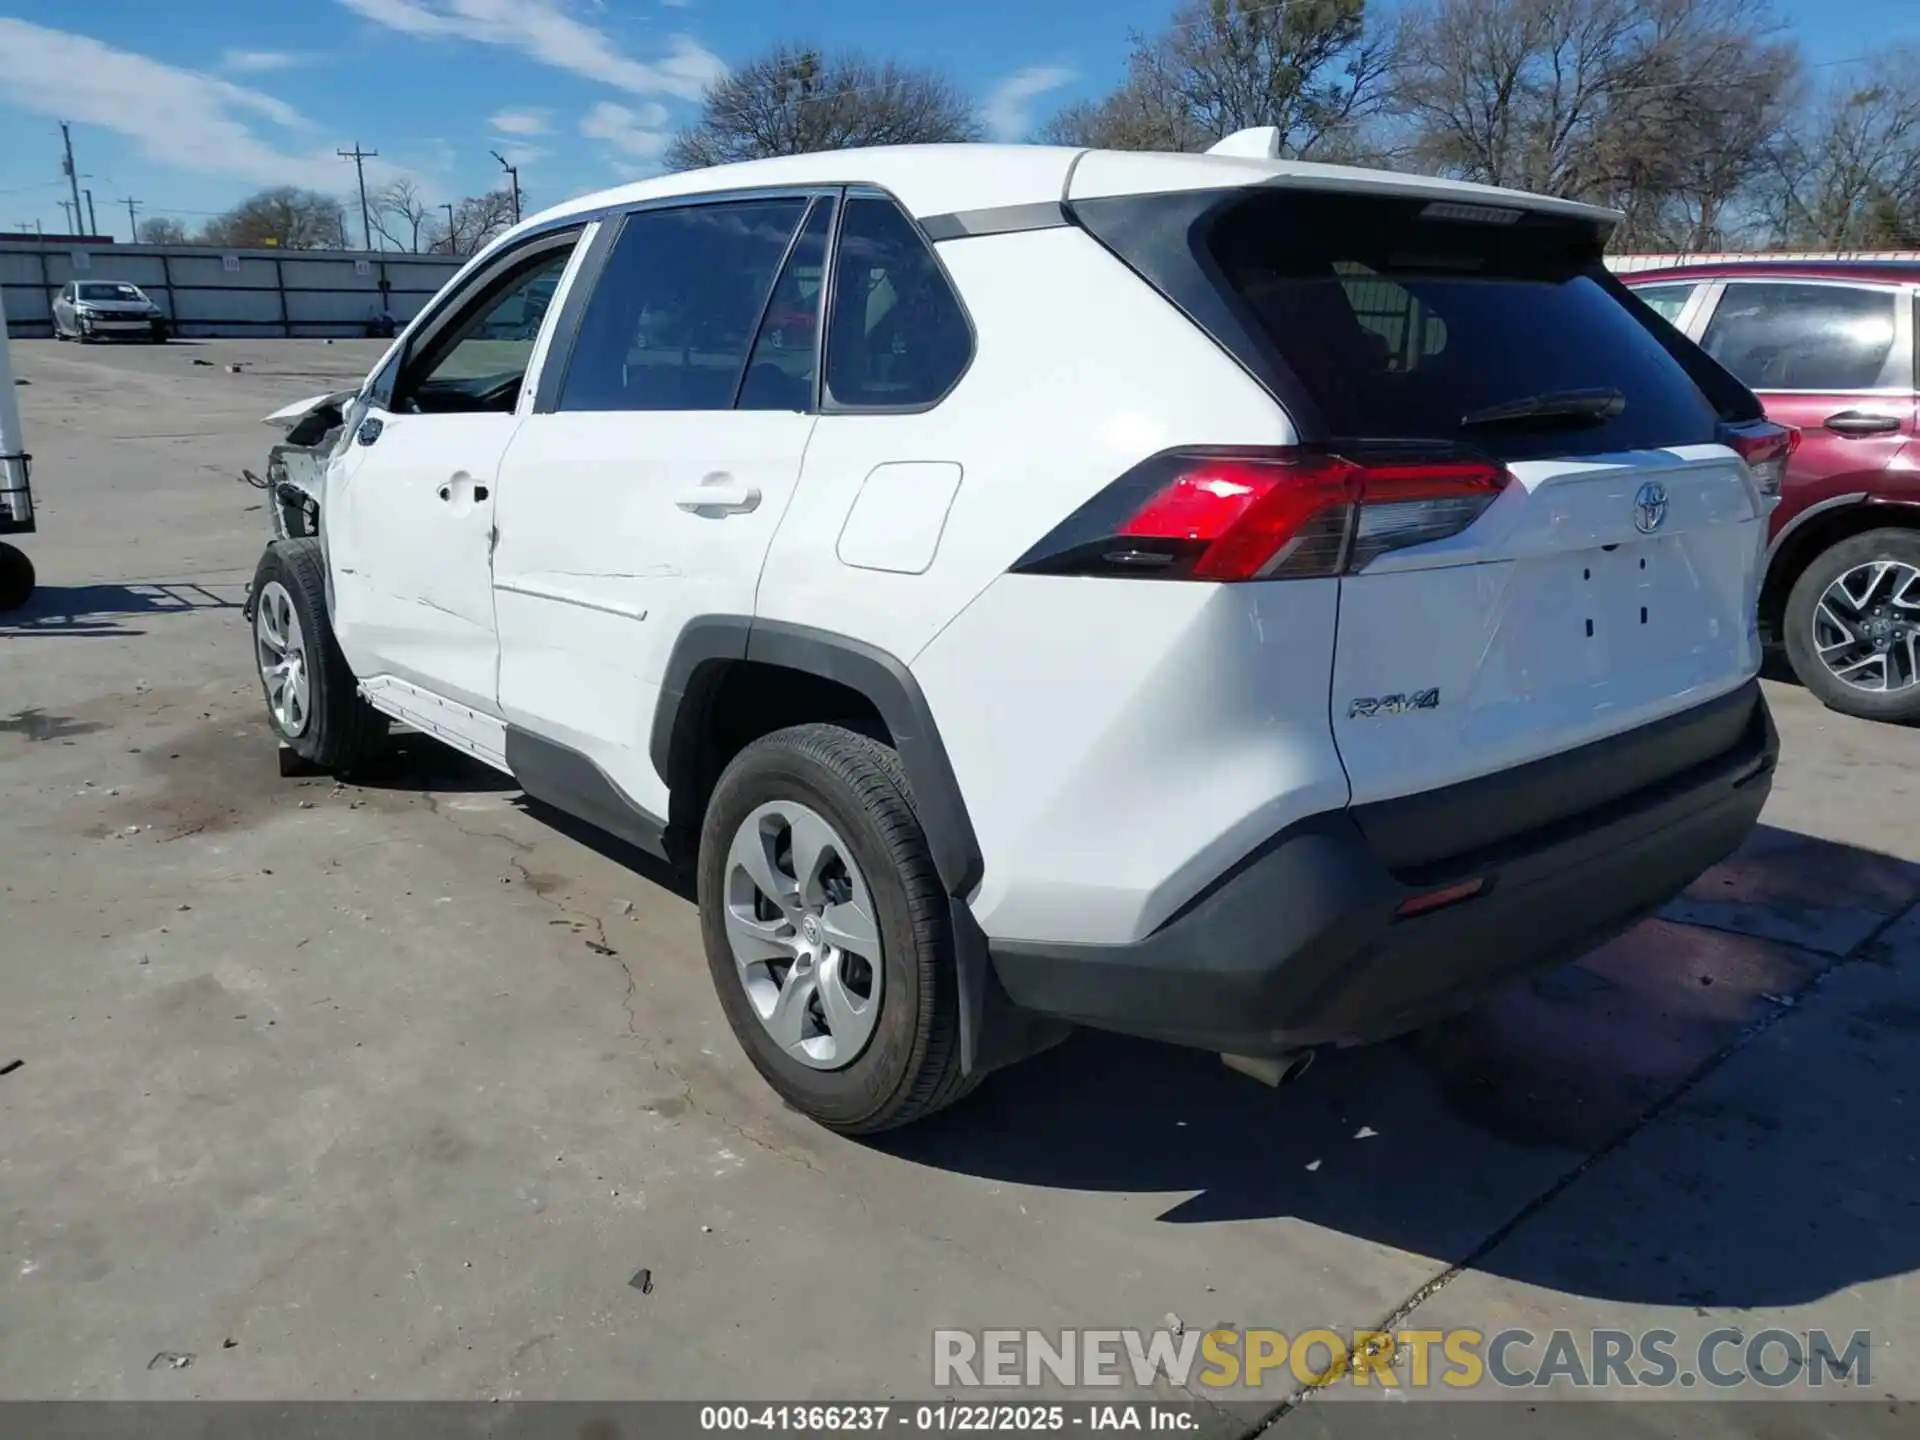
x=1890, y=369
x=827, y=405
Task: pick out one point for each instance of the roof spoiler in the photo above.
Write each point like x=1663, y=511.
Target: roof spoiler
x=1262, y=142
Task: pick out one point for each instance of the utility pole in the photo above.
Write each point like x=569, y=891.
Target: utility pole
x=73, y=175
x=359, y=157
x=133, y=219
x=93, y=225
x=513, y=174
x=453, y=234
x=66, y=209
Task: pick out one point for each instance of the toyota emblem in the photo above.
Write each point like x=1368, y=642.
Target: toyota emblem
x=1650, y=507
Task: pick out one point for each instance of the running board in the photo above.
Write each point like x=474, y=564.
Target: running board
x=448, y=721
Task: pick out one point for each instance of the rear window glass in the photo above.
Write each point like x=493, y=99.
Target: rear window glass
x=1401, y=328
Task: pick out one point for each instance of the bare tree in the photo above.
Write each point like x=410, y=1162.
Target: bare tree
x=400, y=213
x=1850, y=176
x=1665, y=108
x=1309, y=68
x=476, y=220
x=796, y=99
x=162, y=230
x=284, y=216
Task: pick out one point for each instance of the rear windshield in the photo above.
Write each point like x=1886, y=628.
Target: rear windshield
x=1397, y=327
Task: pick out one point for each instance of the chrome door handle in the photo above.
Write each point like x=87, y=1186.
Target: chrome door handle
x=1859, y=422
x=719, y=494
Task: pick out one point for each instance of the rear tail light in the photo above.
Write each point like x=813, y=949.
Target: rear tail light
x=1766, y=447
x=1264, y=515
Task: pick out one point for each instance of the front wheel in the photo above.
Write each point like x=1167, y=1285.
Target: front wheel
x=1853, y=626
x=313, y=702
x=827, y=930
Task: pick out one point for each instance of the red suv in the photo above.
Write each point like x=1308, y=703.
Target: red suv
x=1829, y=347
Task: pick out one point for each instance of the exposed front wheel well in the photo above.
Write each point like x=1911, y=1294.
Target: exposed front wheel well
x=1818, y=535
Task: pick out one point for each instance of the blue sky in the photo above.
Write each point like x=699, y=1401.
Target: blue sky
x=190, y=104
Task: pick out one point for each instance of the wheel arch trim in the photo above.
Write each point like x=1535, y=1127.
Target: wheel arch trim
x=709, y=643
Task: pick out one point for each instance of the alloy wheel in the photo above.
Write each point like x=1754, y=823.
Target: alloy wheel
x=800, y=922
x=281, y=649
x=1866, y=627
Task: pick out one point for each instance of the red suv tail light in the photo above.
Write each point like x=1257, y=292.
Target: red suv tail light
x=1264, y=515
x=1766, y=447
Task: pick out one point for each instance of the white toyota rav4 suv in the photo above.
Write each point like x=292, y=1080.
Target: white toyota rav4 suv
x=1248, y=604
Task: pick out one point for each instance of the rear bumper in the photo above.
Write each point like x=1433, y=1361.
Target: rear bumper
x=1301, y=943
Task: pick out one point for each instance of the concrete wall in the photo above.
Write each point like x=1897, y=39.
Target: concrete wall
x=207, y=291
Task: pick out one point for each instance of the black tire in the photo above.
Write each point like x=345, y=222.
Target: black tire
x=911, y=1065
x=1900, y=706
x=340, y=729
x=16, y=578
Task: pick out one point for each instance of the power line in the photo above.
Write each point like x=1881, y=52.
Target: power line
x=359, y=158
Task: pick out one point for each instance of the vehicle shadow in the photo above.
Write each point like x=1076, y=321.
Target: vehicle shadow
x=81, y=610
x=1433, y=1143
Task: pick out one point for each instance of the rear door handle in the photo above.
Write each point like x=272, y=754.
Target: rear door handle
x=719, y=494
x=1859, y=422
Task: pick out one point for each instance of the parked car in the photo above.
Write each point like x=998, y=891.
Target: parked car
x=1240, y=603
x=1829, y=348
x=87, y=310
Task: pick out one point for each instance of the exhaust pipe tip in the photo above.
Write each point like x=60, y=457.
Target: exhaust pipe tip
x=1271, y=1070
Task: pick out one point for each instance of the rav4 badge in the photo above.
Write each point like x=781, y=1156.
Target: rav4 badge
x=1368, y=706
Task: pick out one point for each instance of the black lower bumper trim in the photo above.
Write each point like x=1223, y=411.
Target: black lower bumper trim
x=1302, y=944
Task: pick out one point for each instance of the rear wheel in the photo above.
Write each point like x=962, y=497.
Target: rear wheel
x=1853, y=626
x=313, y=702
x=827, y=930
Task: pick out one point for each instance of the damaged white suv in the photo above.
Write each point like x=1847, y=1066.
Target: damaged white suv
x=1249, y=604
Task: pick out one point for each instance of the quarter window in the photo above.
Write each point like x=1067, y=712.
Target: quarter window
x=1784, y=336
x=897, y=336
x=1669, y=302
x=673, y=316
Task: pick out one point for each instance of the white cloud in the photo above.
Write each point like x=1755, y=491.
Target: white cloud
x=633, y=132
x=253, y=62
x=547, y=31
x=175, y=117
x=520, y=122
x=521, y=156
x=1009, y=106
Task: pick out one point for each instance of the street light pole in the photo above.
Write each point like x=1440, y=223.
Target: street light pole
x=513, y=174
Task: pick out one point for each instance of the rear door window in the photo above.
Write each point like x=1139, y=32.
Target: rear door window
x=1787, y=336
x=780, y=372
x=1401, y=327
x=673, y=316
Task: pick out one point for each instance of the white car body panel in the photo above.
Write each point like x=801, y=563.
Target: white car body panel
x=1023, y=470
x=1120, y=744
x=1551, y=621
x=606, y=552
x=412, y=583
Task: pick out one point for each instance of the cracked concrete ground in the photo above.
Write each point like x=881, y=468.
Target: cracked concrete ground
x=387, y=1089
